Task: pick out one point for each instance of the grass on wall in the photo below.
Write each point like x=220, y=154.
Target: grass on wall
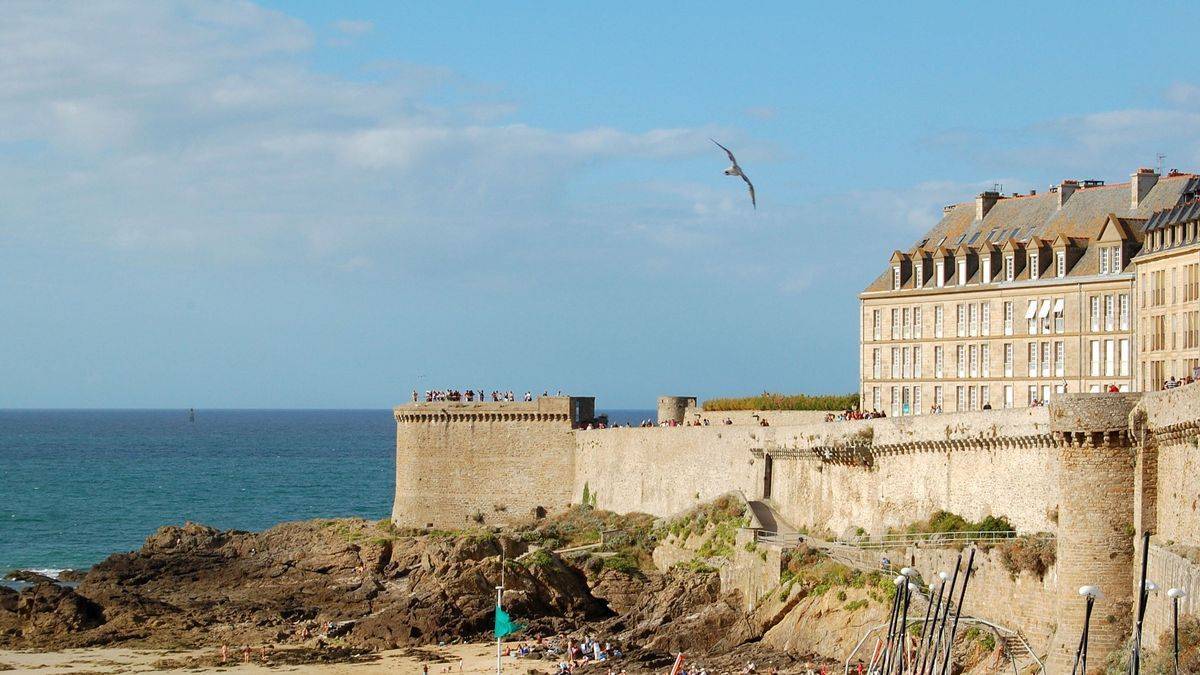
x=769, y=401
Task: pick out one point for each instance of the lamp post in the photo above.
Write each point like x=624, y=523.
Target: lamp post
x=1175, y=594
x=1148, y=587
x=1091, y=593
x=895, y=614
x=929, y=627
x=937, y=644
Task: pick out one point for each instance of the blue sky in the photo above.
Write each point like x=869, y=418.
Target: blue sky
x=303, y=204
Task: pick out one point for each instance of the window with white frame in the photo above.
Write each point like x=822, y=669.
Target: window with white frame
x=1094, y=352
x=919, y=273
x=1094, y=306
x=960, y=396
x=1044, y=318
x=905, y=406
x=1009, y=268
x=937, y=396
x=1033, y=360
x=916, y=398
x=874, y=398
x=974, y=319
x=985, y=269
x=895, y=401
x=876, y=363
x=1008, y=396
x=906, y=321
x=1033, y=394
x=973, y=352
x=916, y=361
x=973, y=403
x=1060, y=264
x=1059, y=358
x=1008, y=359
x=939, y=270
x=1124, y=303
x=917, y=322
x=985, y=395
x=895, y=363
x=895, y=277
x=1031, y=317
x=1116, y=260
x=962, y=272
x=1110, y=316
x=1008, y=318
x=937, y=321
x=1046, y=359
x=906, y=359
x=1104, y=260
x=985, y=360
x=1060, y=315
x=876, y=320
x=960, y=361
x=895, y=323
x=1110, y=358
x=1034, y=268
x=1125, y=358
x=985, y=318
x=962, y=321
x=937, y=361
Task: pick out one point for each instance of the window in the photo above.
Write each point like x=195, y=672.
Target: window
x=905, y=407
x=960, y=399
x=937, y=321
x=962, y=321
x=1033, y=359
x=1125, y=358
x=906, y=360
x=1110, y=316
x=895, y=324
x=1031, y=317
x=1033, y=394
x=1008, y=359
x=985, y=318
x=1034, y=268
x=895, y=401
x=895, y=277
x=1094, y=364
x=1008, y=396
x=1045, y=359
x=1060, y=317
x=937, y=396
x=895, y=363
x=1110, y=358
x=874, y=398
x=985, y=267
x=939, y=270
x=916, y=362
x=1060, y=264
x=1008, y=318
x=1103, y=260
x=973, y=403
x=1044, y=316
x=1116, y=260
x=876, y=320
x=1009, y=268
x=974, y=319
x=1095, y=309
x=962, y=272
x=985, y=360
x=876, y=362
x=985, y=395
x=916, y=400
x=919, y=274
x=1124, y=303
x=937, y=361
x=916, y=322
x=1059, y=358
x=960, y=360
x=973, y=351
x=1045, y=393
x=907, y=325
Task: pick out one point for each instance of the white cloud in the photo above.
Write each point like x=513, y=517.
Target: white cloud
x=353, y=26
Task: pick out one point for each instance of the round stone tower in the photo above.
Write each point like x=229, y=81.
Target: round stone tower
x=1095, y=539
x=673, y=408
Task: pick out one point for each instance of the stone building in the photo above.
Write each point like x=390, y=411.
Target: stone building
x=1013, y=300
x=1168, y=297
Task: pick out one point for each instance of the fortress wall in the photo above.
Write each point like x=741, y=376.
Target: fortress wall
x=1172, y=488
x=747, y=418
x=663, y=471
x=1169, y=569
x=500, y=460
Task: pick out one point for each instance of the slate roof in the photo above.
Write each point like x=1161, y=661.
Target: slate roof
x=1028, y=216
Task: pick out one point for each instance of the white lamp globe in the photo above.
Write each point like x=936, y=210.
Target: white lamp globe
x=1091, y=591
x=943, y=576
x=1151, y=587
x=1176, y=593
x=900, y=581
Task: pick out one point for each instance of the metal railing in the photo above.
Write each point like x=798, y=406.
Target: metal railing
x=1008, y=637
x=940, y=539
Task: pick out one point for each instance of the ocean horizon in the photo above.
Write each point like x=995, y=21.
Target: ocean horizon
x=82, y=484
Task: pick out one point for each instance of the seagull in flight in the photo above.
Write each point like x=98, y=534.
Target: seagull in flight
x=735, y=170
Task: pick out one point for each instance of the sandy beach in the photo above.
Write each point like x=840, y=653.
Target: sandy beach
x=465, y=659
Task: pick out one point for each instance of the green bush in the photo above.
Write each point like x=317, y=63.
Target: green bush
x=621, y=563
x=856, y=605
x=769, y=401
x=540, y=558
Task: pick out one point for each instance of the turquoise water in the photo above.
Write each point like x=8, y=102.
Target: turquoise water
x=76, y=486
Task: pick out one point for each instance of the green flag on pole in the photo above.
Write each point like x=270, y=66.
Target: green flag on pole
x=504, y=624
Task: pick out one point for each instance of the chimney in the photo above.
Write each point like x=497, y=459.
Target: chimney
x=984, y=203
x=1140, y=185
x=1065, y=190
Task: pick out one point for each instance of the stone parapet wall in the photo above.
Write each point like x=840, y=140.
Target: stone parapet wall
x=1169, y=569
x=753, y=418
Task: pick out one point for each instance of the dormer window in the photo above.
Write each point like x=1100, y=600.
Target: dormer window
x=920, y=268
x=1116, y=260
x=1033, y=266
x=987, y=269
x=939, y=269
x=1009, y=268
x=1104, y=260
x=1060, y=264
x=962, y=272
x=895, y=277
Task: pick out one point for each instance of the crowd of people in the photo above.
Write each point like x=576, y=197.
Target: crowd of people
x=1173, y=383
x=471, y=395
x=854, y=414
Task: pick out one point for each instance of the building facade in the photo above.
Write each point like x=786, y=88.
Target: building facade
x=1168, y=297
x=1012, y=301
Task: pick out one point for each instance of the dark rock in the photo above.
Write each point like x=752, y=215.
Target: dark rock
x=29, y=576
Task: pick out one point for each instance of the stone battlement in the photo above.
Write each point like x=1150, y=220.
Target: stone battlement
x=575, y=409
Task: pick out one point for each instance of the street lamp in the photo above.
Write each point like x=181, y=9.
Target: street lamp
x=1175, y=594
x=1091, y=593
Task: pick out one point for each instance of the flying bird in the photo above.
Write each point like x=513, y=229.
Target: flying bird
x=735, y=170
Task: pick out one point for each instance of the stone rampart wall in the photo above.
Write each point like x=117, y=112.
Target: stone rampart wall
x=1169, y=569
x=1171, y=432
x=753, y=418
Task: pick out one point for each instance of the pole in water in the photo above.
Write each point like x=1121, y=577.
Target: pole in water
x=962, y=594
x=191, y=414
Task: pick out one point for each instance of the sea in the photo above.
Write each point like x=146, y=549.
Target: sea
x=79, y=485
